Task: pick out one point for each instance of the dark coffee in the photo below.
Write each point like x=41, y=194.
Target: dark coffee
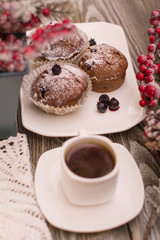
x=90, y=160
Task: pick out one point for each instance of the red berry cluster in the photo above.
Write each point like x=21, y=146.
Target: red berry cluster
x=10, y=22
x=42, y=36
x=149, y=65
x=12, y=54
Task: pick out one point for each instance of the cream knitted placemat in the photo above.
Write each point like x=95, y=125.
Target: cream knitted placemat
x=20, y=216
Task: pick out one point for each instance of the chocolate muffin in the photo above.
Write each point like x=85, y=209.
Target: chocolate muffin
x=59, y=86
x=106, y=67
x=67, y=47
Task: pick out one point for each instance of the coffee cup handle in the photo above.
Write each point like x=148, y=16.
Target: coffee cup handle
x=82, y=132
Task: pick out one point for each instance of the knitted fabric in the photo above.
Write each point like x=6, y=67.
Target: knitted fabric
x=20, y=217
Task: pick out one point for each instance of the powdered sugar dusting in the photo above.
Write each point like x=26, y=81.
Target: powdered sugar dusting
x=64, y=47
x=59, y=90
x=94, y=60
x=102, y=56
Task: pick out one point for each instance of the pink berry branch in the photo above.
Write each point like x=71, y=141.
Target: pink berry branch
x=22, y=15
x=149, y=66
x=13, y=52
x=149, y=87
x=42, y=36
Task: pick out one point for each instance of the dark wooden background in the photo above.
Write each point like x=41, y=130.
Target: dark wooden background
x=133, y=16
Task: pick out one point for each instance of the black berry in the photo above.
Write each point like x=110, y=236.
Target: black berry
x=92, y=42
x=56, y=69
x=113, y=104
x=43, y=90
x=104, y=98
x=88, y=66
x=101, y=107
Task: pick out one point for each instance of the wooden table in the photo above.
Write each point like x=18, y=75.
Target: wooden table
x=133, y=16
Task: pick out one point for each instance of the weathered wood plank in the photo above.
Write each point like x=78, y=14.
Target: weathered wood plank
x=120, y=233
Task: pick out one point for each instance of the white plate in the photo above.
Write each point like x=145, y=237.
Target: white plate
x=129, y=114
x=59, y=212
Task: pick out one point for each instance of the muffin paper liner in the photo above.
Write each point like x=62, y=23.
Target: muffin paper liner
x=27, y=84
x=39, y=61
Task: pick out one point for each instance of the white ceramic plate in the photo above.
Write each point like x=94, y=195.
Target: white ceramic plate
x=128, y=115
x=59, y=212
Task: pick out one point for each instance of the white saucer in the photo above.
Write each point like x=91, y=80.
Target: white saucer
x=59, y=212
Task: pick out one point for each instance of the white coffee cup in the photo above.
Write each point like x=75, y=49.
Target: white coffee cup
x=84, y=191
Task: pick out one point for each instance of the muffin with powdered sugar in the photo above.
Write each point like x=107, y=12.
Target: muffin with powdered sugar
x=106, y=67
x=57, y=88
x=67, y=47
